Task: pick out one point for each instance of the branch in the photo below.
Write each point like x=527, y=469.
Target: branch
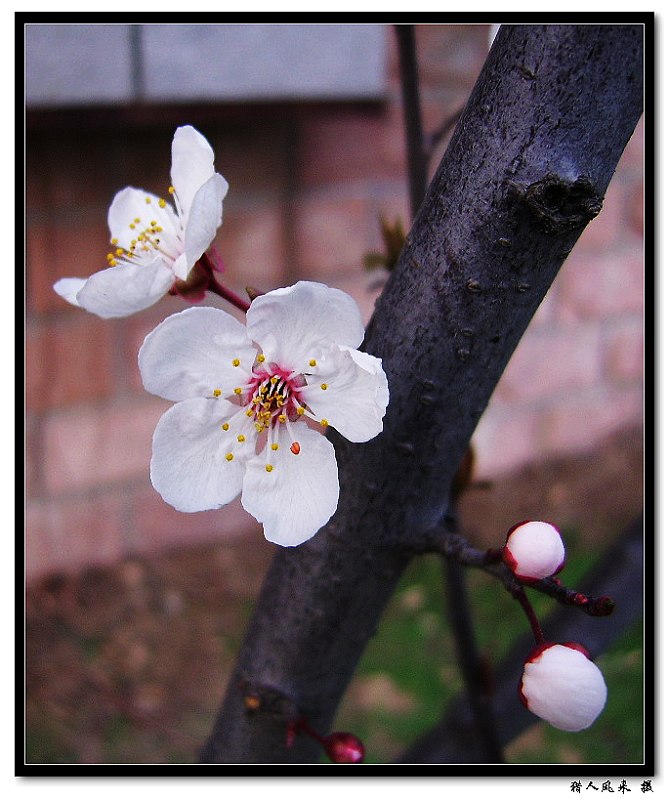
x=525, y=170
x=455, y=740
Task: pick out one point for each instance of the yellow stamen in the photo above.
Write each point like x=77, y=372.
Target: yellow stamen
x=275, y=446
x=269, y=467
x=217, y=392
x=282, y=417
x=324, y=423
x=300, y=410
x=225, y=426
x=324, y=386
x=261, y=358
x=236, y=362
x=171, y=190
x=229, y=457
x=238, y=390
x=241, y=438
x=312, y=363
x=162, y=203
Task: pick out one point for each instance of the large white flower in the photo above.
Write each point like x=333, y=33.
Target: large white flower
x=155, y=244
x=253, y=402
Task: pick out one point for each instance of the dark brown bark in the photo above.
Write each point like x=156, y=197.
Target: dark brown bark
x=526, y=170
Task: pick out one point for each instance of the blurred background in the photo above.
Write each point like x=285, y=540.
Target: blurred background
x=135, y=611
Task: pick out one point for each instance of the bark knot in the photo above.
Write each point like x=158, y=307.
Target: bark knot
x=562, y=205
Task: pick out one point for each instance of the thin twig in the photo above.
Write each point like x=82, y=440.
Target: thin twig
x=416, y=156
x=471, y=664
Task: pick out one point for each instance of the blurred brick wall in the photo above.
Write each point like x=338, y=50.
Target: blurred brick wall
x=307, y=189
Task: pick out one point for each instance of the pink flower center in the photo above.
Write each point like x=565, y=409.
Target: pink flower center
x=274, y=396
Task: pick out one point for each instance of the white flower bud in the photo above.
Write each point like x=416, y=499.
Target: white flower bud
x=563, y=686
x=534, y=550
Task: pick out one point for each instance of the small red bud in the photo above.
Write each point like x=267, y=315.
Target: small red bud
x=344, y=748
x=580, y=599
x=603, y=606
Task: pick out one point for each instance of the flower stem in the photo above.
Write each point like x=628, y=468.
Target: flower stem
x=227, y=294
x=521, y=597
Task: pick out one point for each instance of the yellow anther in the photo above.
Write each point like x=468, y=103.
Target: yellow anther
x=249, y=412
x=324, y=386
x=113, y=262
x=171, y=190
x=147, y=200
x=269, y=467
x=114, y=241
x=229, y=457
x=273, y=379
x=119, y=251
x=261, y=357
x=241, y=438
x=324, y=423
x=225, y=426
x=282, y=417
x=236, y=362
x=132, y=225
x=312, y=363
x=259, y=427
x=238, y=390
x=162, y=203
x=300, y=410
x=275, y=446
x=137, y=219
x=217, y=392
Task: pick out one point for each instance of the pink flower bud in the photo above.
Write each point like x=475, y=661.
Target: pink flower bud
x=533, y=550
x=343, y=748
x=563, y=686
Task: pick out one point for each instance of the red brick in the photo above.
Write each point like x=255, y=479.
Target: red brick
x=333, y=233
x=505, y=440
x=634, y=208
x=68, y=362
x=632, y=157
x=252, y=247
x=340, y=146
x=157, y=526
x=73, y=533
x=600, y=285
x=62, y=250
x=549, y=363
x=579, y=422
x=94, y=447
x=451, y=56
x=607, y=227
x=623, y=350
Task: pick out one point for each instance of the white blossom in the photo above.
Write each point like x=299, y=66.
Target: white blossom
x=252, y=403
x=534, y=550
x=154, y=244
x=563, y=686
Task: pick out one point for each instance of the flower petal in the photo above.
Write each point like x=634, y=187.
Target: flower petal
x=123, y=290
x=290, y=323
x=69, y=288
x=130, y=204
x=205, y=216
x=189, y=465
x=563, y=687
x=356, y=394
x=301, y=492
x=195, y=352
x=192, y=164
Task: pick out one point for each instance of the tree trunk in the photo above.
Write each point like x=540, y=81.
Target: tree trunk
x=526, y=170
